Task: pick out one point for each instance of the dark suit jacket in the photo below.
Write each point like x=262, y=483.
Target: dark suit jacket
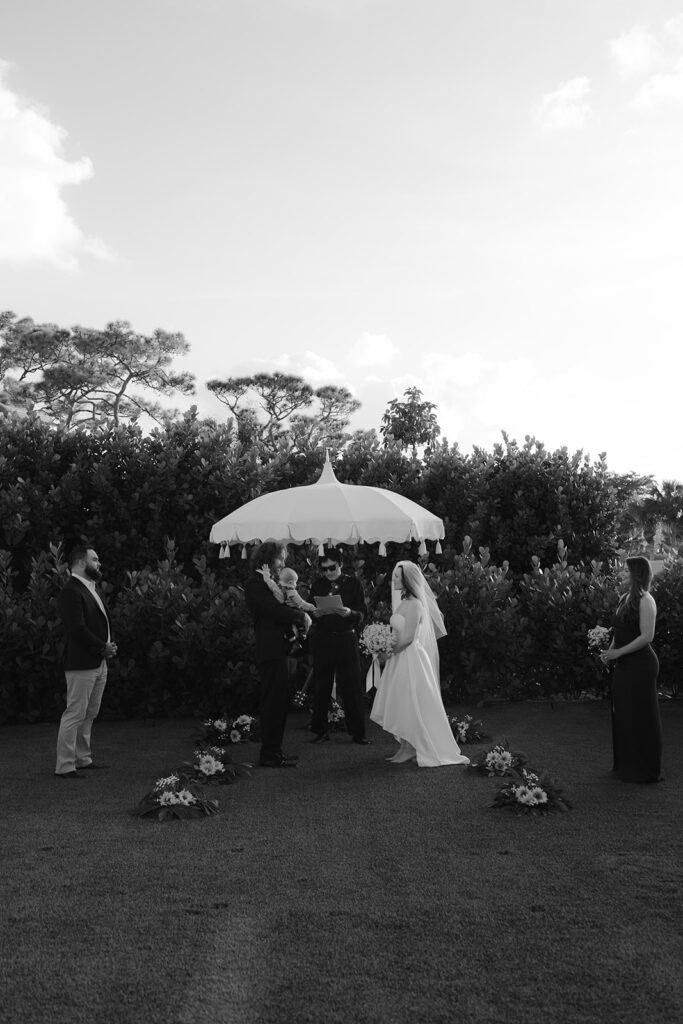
x=85, y=626
x=271, y=619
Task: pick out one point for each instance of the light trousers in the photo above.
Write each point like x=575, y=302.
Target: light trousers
x=84, y=689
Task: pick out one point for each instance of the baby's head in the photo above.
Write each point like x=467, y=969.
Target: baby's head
x=288, y=579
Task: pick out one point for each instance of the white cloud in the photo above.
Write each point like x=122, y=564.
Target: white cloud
x=673, y=29
x=659, y=56
x=373, y=350
x=315, y=369
x=635, y=52
x=662, y=89
x=35, y=223
x=567, y=108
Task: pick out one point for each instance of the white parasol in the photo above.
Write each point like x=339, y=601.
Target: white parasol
x=329, y=512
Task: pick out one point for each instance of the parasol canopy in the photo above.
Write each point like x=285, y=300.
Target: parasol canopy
x=329, y=512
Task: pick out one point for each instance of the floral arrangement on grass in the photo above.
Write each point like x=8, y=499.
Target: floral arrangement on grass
x=175, y=797
x=214, y=764
x=467, y=729
x=526, y=792
x=302, y=700
x=499, y=760
x=222, y=731
x=245, y=726
x=335, y=716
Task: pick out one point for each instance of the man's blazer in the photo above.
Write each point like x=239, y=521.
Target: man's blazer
x=270, y=619
x=85, y=626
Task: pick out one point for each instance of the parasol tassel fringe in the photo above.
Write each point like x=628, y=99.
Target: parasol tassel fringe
x=422, y=550
x=382, y=549
x=244, y=551
x=438, y=549
x=225, y=550
x=321, y=550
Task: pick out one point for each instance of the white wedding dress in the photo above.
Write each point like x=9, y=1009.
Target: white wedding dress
x=408, y=702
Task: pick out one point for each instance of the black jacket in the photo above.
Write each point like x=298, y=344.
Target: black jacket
x=85, y=626
x=271, y=619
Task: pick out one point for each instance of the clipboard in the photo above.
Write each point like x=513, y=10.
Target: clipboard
x=329, y=603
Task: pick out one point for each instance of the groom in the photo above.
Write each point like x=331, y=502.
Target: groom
x=272, y=621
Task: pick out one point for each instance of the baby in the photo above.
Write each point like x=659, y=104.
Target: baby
x=287, y=582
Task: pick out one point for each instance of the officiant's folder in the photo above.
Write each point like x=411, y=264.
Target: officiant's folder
x=333, y=601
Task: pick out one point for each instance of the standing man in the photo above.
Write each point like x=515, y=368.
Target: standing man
x=88, y=644
x=335, y=649
x=272, y=617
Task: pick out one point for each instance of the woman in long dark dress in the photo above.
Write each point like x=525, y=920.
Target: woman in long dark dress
x=636, y=725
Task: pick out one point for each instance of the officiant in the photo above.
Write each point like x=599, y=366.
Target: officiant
x=338, y=617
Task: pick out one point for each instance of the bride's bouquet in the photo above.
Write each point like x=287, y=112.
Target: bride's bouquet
x=377, y=640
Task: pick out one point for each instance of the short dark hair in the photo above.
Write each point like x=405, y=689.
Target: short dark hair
x=266, y=553
x=78, y=553
x=332, y=555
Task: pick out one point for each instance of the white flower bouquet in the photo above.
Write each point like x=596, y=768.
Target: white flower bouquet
x=499, y=760
x=528, y=793
x=377, y=640
x=175, y=796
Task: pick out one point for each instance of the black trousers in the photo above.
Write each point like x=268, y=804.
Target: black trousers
x=335, y=656
x=274, y=704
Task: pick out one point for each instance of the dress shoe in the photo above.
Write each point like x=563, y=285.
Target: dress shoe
x=277, y=762
x=362, y=740
x=69, y=775
x=92, y=765
x=290, y=757
x=320, y=737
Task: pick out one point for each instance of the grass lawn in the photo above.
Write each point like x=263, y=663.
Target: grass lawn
x=346, y=890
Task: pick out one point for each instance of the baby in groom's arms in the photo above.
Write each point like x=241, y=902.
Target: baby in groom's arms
x=287, y=582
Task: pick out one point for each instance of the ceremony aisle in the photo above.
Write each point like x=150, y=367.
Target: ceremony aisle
x=346, y=890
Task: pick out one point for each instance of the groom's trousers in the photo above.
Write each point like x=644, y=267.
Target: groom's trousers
x=274, y=704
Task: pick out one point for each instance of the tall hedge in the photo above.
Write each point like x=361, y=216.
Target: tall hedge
x=147, y=502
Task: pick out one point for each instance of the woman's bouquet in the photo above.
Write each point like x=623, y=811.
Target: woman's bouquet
x=499, y=760
x=599, y=638
x=175, y=797
x=377, y=640
x=528, y=793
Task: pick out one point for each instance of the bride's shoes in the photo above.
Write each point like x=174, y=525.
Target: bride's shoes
x=406, y=752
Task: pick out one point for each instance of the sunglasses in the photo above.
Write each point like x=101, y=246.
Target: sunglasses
x=329, y=568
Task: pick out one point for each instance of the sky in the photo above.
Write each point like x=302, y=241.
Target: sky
x=480, y=198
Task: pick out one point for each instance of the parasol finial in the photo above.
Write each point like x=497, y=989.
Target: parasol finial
x=327, y=476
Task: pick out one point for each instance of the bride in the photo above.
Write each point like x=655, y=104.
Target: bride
x=408, y=702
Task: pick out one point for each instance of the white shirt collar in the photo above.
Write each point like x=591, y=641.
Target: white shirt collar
x=90, y=584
